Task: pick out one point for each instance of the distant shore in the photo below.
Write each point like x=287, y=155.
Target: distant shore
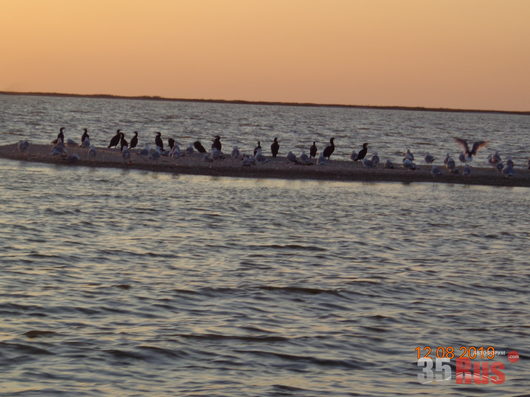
x=266, y=103
x=335, y=170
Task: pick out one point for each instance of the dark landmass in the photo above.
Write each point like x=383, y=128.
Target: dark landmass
x=243, y=102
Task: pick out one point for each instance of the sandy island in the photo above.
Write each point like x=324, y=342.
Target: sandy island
x=335, y=170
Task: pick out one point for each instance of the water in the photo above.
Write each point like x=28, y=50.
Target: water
x=121, y=282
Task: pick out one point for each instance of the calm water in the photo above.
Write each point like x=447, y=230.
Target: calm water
x=120, y=282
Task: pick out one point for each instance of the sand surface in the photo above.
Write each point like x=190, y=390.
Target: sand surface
x=280, y=167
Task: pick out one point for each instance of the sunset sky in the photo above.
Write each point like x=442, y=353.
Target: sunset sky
x=432, y=53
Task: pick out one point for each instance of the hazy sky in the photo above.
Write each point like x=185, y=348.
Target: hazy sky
x=433, y=53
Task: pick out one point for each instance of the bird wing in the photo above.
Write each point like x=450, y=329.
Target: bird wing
x=463, y=143
x=478, y=145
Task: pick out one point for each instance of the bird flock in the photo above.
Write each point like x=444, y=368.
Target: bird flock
x=174, y=150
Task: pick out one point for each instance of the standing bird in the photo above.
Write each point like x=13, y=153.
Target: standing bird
x=328, y=151
x=429, y=158
x=171, y=143
x=362, y=153
x=123, y=142
x=134, y=140
x=313, y=150
x=275, y=147
x=115, y=139
x=85, y=136
x=60, y=136
x=22, y=146
x=126, y=155
x=158, y=141
x=257, y=148
x=217, y=143
x=235, y=152
x=92, y=152
x=199, y=147
x=469, y=153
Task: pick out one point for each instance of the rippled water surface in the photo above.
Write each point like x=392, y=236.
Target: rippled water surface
x=119, y=282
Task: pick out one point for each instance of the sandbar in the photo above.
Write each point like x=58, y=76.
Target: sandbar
x=280, y=167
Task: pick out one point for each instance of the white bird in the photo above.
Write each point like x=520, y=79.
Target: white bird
x=154, y=154
x=435, y=171
x=409, y=155
x=292, y=157
x=469, y=153
x=86, y=142
x=508, y=171
x=59, y=149
x=494, y=159
x=22, y=146
x=126, y=155
x=235, y=152
x=217, y=154
x=375, y=160
x=248, y=161
x=175, y=151
x=189, y=149
x=260, y=158
x=409, y=164
x=305, y=159
x=450, y=163
x=322, y=160
x=92, y=152
x=429, y=158
x=368, y=163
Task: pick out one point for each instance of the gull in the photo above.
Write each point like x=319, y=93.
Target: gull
x=235, y=152
x=22, y=146
x=409, y=164
x=389, y=165
x=92, y=152
x=375, y=159
x=126, y=155
x=469, y=153
x=409, y=155
x=435, y=171
x=292, y=157
x=494, y=159
x=429, y=158
x=467, y=170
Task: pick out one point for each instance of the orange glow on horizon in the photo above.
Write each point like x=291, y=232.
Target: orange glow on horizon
x=432, y=53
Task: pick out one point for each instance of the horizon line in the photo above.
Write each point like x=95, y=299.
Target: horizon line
x=266, y=103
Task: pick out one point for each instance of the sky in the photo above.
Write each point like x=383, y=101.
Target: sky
x=470, y=54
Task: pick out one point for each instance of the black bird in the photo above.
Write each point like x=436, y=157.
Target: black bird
x=328, y=151
x=257, y=148
x=85, y=135
x=158, y=141
x=313, y=149
x=115, y=139
x=60, y=136
x=217, y=143
x=134, y=140
x=362, y=153
x=275, y=147
x=123, y=142
x=198, y=145
x=474, y=149
x=170, y=142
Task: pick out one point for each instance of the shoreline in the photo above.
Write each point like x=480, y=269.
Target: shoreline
x=266, y=103
x=279, y=168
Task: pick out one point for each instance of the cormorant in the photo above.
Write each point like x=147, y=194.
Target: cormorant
x=198, y=145
x=362, y=153
x=85, y=135
x=115, y=139
x=313, y=150
x=134, y=140
x=60, y=136
x=328, y=151
x=171, y=143
x=257, y=148
x=217, y=143
x=158, y=141
x=275, y=147
x=123, y=142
